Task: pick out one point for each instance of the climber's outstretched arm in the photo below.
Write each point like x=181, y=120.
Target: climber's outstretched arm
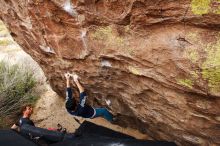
x=67, y=76
x=76, y=80
x=69, y=95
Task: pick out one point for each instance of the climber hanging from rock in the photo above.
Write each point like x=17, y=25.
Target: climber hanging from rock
x=81, y=109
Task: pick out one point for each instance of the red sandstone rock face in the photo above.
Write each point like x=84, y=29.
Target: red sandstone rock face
x=157, y=61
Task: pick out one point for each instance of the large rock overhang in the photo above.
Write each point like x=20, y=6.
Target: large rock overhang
x=157, y=61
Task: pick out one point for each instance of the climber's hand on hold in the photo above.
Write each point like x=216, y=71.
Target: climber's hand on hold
x=78, y=84
x=75, y=77
x=67, y=76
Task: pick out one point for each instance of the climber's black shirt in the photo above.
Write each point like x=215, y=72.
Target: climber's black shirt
x=23, y=121
x=82, y=109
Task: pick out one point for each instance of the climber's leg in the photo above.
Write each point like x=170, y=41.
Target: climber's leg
x=103, y=112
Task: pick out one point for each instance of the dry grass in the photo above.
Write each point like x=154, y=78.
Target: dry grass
x=16, y=89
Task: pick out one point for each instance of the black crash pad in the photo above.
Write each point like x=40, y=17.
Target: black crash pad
x=95, y=135
x=88, y=134
x=12, y=138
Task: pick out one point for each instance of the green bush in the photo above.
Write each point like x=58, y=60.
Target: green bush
x=16, y=89
x=5, y=42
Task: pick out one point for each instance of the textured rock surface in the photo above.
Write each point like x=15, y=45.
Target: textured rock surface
x=157, y=61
